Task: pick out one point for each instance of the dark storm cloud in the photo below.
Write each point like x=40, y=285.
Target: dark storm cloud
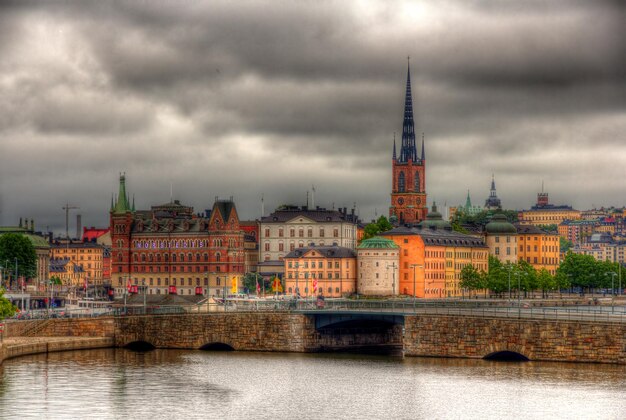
x=244, y=98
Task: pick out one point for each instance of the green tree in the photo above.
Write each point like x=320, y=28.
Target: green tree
x=14, y=246
x=470, y=278
x=381, y=225
x=250, y=281
x=497, y=279
x=545, y=281
x=6, y=308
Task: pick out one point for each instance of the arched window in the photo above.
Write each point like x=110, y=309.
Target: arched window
x=416, y=188
x=217, y=257
x=401, y=182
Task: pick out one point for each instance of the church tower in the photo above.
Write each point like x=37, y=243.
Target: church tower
x=408, y=190
x=121, y=221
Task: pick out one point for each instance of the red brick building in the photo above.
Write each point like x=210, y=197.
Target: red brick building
x=408, y=192
x=169, y=249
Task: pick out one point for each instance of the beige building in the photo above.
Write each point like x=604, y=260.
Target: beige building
x=501, y=238
x=86, y=255
x=292, y=227
x=329, y=271
x=378, y=262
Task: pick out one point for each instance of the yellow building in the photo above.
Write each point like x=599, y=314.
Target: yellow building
x=320, y=270
x=544, y=213
x=87, y=256
x=538, y=248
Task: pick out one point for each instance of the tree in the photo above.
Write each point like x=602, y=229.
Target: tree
x=498, y=276
x=470, y=278
x=381, y=225
x=545, y=281
x=250, y=281
x=16, y=247
x=6, y=307
x=565, y=245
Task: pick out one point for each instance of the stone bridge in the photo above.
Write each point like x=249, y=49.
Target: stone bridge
x=413, y=335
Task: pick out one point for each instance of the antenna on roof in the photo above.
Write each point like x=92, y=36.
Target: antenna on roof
x=307, y=199
x=262, y=205
x=313, y=196
x=171, y=192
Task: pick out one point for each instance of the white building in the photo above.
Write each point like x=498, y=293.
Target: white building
x=291, y=227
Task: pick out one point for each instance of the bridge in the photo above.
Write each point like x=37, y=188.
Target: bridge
x=546, y=334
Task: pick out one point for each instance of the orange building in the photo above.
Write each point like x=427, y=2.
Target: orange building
x=432, y=257
x=538, y=248
x=88, y=256
x=320, y=270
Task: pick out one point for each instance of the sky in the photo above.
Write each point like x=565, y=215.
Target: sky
x=199, y=99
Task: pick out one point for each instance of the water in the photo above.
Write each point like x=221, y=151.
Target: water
x=166, y=384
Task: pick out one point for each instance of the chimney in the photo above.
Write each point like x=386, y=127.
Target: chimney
x=32, y=225
x=79, y=227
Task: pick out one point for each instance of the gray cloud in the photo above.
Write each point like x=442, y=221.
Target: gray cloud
x=223, y=98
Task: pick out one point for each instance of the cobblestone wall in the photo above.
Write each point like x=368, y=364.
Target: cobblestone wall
x=475, y=337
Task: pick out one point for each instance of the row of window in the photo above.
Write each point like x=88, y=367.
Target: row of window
x=320, y=264
x=180, y=243
x=190, y=269
x=312, y=274
x=309, y=232
x=148, y=257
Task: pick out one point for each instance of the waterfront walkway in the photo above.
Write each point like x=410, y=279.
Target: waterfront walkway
x=21, y=346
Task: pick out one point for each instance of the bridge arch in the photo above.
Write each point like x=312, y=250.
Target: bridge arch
x=506, y=356
x=217, y=346
x=140, y=346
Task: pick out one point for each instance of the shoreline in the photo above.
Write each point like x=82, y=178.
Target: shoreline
x=24, y=346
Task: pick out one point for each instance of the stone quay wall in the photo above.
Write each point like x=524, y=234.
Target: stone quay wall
x=241, y=331
x=61, y=327
x=545, y=340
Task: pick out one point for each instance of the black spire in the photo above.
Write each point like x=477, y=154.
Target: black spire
x=394, y=146
x=408, y=150
x=423, y=150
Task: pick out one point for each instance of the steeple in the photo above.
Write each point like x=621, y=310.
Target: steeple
x=394, y=146
x=468, y=201
x=122, y=205
x=423, y=150
x=112, y=205
x=408, y=149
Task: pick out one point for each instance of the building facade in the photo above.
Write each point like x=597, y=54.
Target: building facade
x=89, y=256
x=169, y=249
x=501, y=238
x=432, y=257
x=408, y=189
x=329, y=271
x=378, y=262
x=544, y=213
x=538, y=248
x=291, y=227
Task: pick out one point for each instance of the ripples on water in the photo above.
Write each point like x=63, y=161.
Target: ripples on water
x=117, y=384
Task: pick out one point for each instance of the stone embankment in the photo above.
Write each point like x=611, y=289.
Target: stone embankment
x=22, y=338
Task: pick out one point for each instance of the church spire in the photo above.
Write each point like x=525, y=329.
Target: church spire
x=122, y=205
x=408, y=150
x=423, y=150
x=394, y=146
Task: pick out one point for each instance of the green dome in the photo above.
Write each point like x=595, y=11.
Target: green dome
x=377, y=242
x=499, y=225
x=434, y=220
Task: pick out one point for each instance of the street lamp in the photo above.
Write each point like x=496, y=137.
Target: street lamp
x=519, y=293
x=393, y=277
x=414, y=266
x=510, y=268
x=612, y=289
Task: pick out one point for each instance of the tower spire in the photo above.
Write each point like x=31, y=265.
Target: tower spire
x=122, y=205
x=408, y=150
x=394, y=145
x=423, y=150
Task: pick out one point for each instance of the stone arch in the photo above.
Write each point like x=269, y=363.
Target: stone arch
x=140, y=345
x=217, y=346
x=506, y=356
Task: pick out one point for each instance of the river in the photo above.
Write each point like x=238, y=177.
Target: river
x=165, y=384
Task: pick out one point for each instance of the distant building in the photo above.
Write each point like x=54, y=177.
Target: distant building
x=408, y=191
x=432, y=257
x=171, y=250
x=87, y=256
x=329, y=271
x=577, y=231
x=538, y=248
x=378, y=264
x=291, y=227
x=493, y=202
x=501, y=238
x=545, y=213
x=250, y=245
x=468, y=209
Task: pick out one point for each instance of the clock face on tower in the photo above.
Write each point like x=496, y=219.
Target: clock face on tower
x=418, y=200
x=401, y=201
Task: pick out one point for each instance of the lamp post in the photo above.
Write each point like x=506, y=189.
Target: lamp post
x=393, y=277
x=296, y=264
x=612, y=274
x=519, y=293
x=414, y=266
x=510, y=268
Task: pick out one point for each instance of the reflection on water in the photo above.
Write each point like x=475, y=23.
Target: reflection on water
x=118, y=383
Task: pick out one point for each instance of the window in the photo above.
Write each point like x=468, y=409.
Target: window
x=280, y=232
x=310, y=233
x=301, y=233
x=267, y=246
x=416, y=186
x=267, y=233
x=321, y=232
x=401, y=182
x=336, y=233
x=281, y=247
